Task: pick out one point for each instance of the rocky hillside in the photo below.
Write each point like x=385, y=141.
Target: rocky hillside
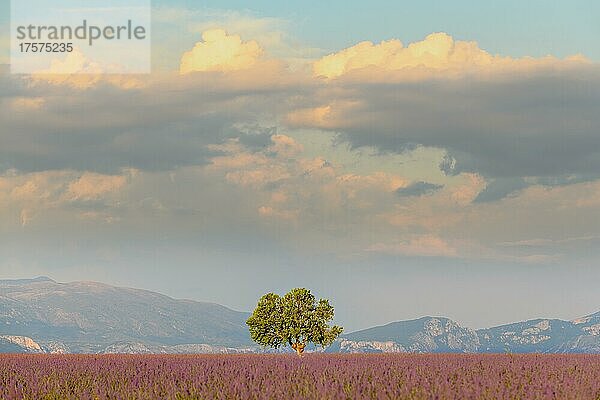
x=536, y=336
x=19, y=344
x=423, y=335
x=441, y=335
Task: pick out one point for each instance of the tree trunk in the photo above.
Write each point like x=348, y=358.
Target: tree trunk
x=299, y=347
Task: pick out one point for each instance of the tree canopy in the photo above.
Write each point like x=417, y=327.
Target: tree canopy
x=295, y=319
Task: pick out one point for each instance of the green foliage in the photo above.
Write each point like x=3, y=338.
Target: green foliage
x=294, y=319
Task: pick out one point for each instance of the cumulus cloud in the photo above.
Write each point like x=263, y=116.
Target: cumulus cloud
x=438, y=55
x=221, y=52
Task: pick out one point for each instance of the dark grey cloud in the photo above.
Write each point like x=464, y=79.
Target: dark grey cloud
x=542, y=128
x=255, y=137
x=543, y=124
x=166, y=125
x=419, y=189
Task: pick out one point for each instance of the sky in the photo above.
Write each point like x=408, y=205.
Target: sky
x=399, y=158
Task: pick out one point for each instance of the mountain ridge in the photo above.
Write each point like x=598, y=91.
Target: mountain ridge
x=89, y=316
x=45, y=316
x=541, y=335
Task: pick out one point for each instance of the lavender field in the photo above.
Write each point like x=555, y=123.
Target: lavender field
x=398, y=376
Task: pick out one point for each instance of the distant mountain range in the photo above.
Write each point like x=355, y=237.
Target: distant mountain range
x=43, y=316
x=90, y=317
x=442, y=335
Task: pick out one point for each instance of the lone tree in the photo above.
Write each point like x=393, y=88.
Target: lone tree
x=295, y=319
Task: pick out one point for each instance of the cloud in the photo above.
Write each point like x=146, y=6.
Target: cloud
x=26, y=217
x=537, y=126
x=550, y=242
x=78, y=71
x=434, y=246
x=229, y=147
x=272, y=33
x=314, y=195
x=25, y=104
x=498, y=189
x=419, y=246
x=556, y=213
x=465, y=193
x=315, y=116
x=483, y=230
x=91, y=186
x=419, y=189
x=167, y=122
x=73, y=63
x=438, y=55
x=220, y=52
x=540, y=125
x=267, y=211
x=81, y=193
x=507, y=119
x=36, y=188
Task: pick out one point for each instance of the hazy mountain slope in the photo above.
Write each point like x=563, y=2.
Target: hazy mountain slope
x=89, y=316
